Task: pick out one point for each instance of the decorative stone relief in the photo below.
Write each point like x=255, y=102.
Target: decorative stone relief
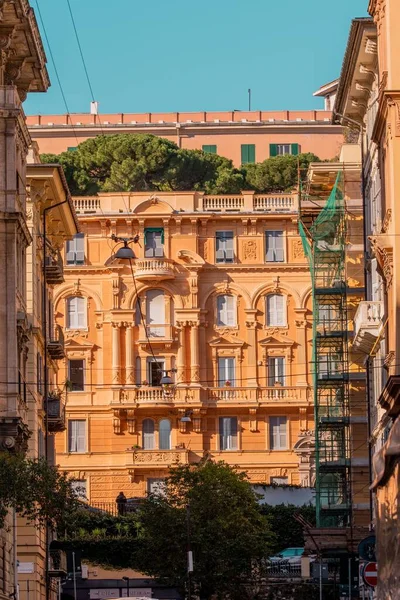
x=250, y=250
x=297, y=249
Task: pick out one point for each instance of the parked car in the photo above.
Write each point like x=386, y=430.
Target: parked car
x=288, y=555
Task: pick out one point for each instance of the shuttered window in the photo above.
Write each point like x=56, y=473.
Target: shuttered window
x=276, y=310
x=224, y=247
x=75, y=250
x=278, y=433
x=228, y=433
x=282, y=149
x=210, y=148
x=77, y=436
x=76, y=313
x=274, y=246
x=148, y=434
x=276, y=370
x=164, y=434
x=153, y=242
x=226, y=371
x=226, y=311
x=155, y=313
x=248, y=152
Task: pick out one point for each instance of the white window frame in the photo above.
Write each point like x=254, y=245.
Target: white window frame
x=156, y=250
x=232, y=439
x=75, y=250
x=227, y=368
x=280, y=443
x=79, y=314
x=281, y=149
x=148, y=443
x=226, y=316
x=224, y=250
x=274, y=366
x=274, y=253
x=275, y=315
x=73, y=444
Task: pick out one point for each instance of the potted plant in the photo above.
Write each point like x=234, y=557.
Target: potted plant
x=228, y=384
x=145, y=382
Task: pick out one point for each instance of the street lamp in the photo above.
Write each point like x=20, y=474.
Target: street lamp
x=167, y=383
x=186, y=417
x=125, y=253
x=127, y=579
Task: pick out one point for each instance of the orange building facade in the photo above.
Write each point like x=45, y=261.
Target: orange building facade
x=220, y=294
x=244, y=137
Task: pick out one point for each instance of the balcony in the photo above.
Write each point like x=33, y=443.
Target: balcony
x=368, y=324
x=57, y=564
x=54, y=267
x=249, y=202
x=55, y=413
x=55, y=345
x=145, y=459
x=151, y=395
x=155, y=269
x=157, y=334
x=261, y=396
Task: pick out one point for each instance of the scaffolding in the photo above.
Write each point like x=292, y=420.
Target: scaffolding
x=324, y=244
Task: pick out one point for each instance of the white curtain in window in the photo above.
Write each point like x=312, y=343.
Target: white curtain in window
x=226, y=311
x=77, y=436
x=228, y=428
x=276, y=370
x=275, y=309
x=226, y=371
x=164, y=434
x=278, y=435
x=155, y=313
x=148, y=434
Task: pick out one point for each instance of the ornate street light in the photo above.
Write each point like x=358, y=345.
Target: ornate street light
x=125, y=252
x=167, y=383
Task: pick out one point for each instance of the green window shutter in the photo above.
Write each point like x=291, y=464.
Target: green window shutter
x=273, y=150
x=295, y=149
x=72, y=148
x=210, y=148
x=248, y=153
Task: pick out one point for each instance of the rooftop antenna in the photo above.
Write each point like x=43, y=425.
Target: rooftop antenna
x=94, y=108
x=249, y=93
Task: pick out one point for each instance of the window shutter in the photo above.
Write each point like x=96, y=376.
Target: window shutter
x=280, y=315
x=80, y=313
x=278, y=238
x=245, y=154
x=270, y=244
x=295, y=149
x=79, y=247
x=158, y=244
x=229, y=248
x=148, y=434
x=71, y=312
x=282, y=433
x=273, y=150
x=221, y=310
x=280, y=370
x=210, y=148
x=271, y=309
x=80, y=436
x=220, y=254
x=274, y=433
x=252, y=153
x=230, y=364
x=70, y=251
x=164, y=434
x=149, y=244
x=230, y=311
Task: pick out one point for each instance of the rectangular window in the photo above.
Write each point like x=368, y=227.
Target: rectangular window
x=275, y=309
x=276, y=370
x=75, y=250
x=228, y=433
x=76, y=313
x=278, y=433
x=155, y=370
x=224, y=247
x=248, y=153
x=279, y=480
x=156, y=486
x=76, y=370
x=226, y=311
x=79, y=487
x=154, y=242
x=274, y=246
x=72, y=148
x=226, y=371
x=210, y=148
x=39, y=372
x=282, y=149
x=77, y=436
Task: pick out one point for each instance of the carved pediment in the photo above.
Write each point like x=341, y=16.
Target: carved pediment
x=78, y=343
x=277, y=340
x=226, y=340
x=191, y=258
x=154, y=205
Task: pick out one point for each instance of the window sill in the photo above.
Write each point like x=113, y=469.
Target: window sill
x=72, y=329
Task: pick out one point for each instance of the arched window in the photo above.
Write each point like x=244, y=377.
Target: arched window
x=148, y=434
x=76, y=313
x=275, y=310
x=164, y=434
x=226, y=311
x=155, y=313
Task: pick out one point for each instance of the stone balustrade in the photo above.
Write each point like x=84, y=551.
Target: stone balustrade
x=158, y=269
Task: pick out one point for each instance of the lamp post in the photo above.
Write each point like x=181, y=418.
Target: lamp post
x=127, y=579
x=189, y=553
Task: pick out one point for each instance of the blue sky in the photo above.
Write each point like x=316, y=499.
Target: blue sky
x=188, y=55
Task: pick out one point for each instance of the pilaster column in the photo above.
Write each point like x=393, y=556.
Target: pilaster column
x=116, y=354
x=129, y=355
x=194, y=352
x=301, y=351
x=251, y=373
x=204, y=357
x=181, y=354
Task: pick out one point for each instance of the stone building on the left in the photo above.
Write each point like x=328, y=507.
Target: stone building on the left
x=22, y=70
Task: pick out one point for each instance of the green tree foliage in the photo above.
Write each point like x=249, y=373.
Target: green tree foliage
x=35, y=489
x=227, y=532
x=288, y=532
x=278, y=174
x=126, y=162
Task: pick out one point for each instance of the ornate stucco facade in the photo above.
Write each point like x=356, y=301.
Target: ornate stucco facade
x=224, y=293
